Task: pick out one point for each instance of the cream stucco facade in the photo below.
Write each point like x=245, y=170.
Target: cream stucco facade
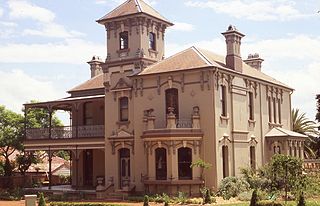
x=149, y=118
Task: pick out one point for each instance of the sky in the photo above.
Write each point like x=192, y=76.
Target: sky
x=44, y=45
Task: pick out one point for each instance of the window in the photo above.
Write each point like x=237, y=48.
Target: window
x=274, y=110
x=124, y=110
x=276, y=150
x=152, y=41
x=279, y=111
x=124, y=40
x=184, y=163
x=251, y=108
x=225, y=161
x=269, y=109
x=223, y=101
x=172, y=101
x=88, y=113
x=253, y=157
x=161, y=164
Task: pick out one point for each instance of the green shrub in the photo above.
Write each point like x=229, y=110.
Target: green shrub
x=136, y=198
x=232, y=187
x=301, y=201
x=42, y=201
x=146, y=200
x=254, y=198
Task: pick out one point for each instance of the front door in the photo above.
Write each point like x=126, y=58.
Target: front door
x=124, y=163
x=87, y=167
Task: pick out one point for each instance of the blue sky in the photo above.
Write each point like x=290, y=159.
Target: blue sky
x=44, y=45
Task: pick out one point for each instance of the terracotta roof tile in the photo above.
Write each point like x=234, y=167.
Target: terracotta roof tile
x=132, y=7
x=194, y=58
x=93, y=83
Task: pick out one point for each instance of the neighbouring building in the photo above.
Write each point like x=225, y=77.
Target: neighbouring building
x=142, y=119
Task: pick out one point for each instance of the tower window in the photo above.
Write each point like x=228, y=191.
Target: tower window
x=152, y=41
x=279, y=111
x=274, y=110
x=269, y=109
x=124, y=109
x=124, y=40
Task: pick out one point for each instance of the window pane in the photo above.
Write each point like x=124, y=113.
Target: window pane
x=161, y=164
x=124, y=40
x=251, y=112
x=124, y=110
x=184, y=162
x=172, y=100
x=225, y=161
x=152, y=41
x=223, y=100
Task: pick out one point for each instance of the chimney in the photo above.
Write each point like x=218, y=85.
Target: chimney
x=254, y=61
x=233, y=41
x=95, y=66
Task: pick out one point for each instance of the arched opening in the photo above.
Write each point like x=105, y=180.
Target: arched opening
x=172, y=100
x=225, y=161
x=124, y=167
x=124, y=40
x=184, y=163
x=161, y=163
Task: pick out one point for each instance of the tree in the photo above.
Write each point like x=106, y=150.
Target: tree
x=318, y=108
x=302, y=125
x=11, y=131
x=36, y=118
x=284, y=172
x=202, y=165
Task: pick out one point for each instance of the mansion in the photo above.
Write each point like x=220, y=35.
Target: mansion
x=141, y=120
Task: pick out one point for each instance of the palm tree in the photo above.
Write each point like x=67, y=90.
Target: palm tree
x=302, y=125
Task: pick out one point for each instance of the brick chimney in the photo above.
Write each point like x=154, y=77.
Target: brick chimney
x=233, y=41
x=95, y=66
x=254, y=61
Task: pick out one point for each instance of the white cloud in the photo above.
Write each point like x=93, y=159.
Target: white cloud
x=284, y=10
x=18, y=88
x=72, y=51
x=1, y=11
x=46, y=26
x=181, y=26
x=24, y=9
x=52, y=30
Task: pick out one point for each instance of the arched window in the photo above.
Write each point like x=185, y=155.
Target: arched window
x=124, y=40
x=184, y=163
x=161, y=163
x=276, y=150
x=172, y=100
x=88, y=113
x=124, y=109
x=253, y=157
x=225, y=161
x=152, y=41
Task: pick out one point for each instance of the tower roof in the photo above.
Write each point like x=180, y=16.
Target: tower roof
x=131, y=7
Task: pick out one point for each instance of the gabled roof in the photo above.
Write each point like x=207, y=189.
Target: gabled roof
x=93, y=83
x=195, y=58
x=280, y=132
x=133, y=7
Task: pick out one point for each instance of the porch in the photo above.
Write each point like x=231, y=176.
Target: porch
x=83, y=138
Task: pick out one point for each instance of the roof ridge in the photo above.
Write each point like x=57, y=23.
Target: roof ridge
x=204, y=57
x=138, y=6
x=114, y=10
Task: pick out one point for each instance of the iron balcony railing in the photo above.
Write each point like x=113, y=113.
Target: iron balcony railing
x=66, y=132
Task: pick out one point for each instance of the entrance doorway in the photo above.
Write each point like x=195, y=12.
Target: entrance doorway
x=124, y=164
x=88, y=167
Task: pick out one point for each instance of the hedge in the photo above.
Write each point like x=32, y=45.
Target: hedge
x=268, y=203
x=81, y=204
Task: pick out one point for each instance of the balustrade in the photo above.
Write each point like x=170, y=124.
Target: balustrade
x=66, y=132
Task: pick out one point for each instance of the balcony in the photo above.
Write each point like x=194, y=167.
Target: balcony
x=175, y=128
x=67, y=132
